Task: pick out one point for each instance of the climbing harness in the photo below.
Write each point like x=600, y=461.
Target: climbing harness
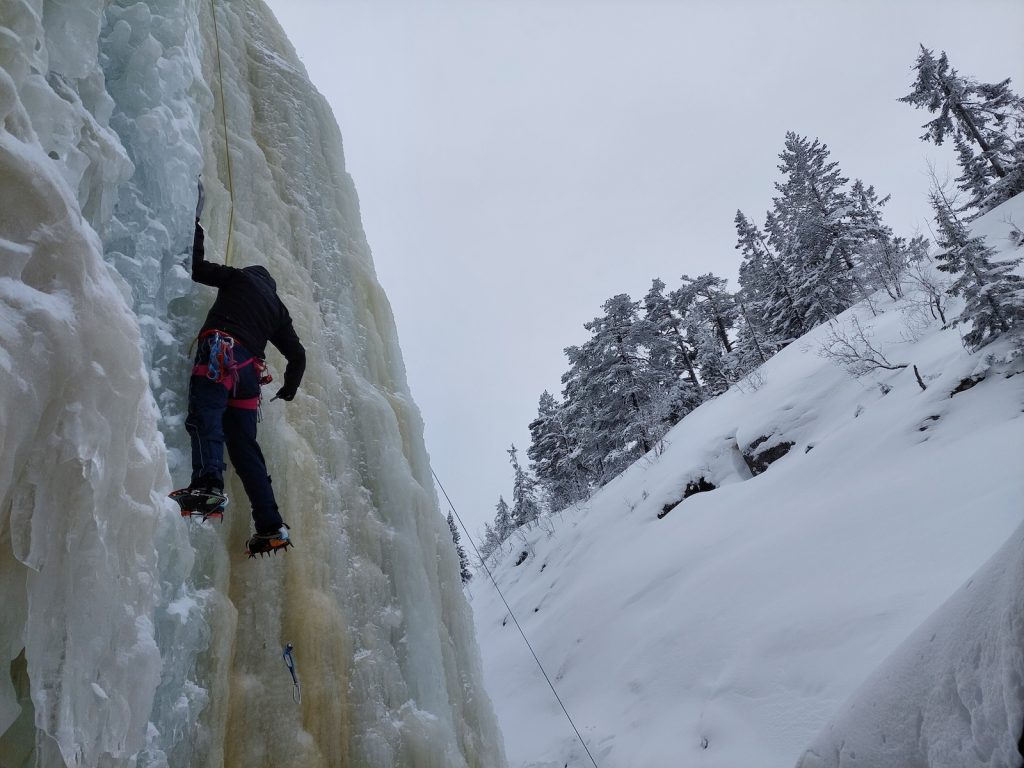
x=221, y=368
x=515, y=620
x=228, y=252
x=289, y=659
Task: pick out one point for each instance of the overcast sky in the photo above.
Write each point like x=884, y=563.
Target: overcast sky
x=519, y=162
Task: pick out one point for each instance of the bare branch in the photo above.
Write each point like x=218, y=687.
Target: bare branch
x=920, y=381
x=852, y=349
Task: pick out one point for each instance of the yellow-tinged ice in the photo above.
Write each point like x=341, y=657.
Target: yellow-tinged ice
x=370, y=595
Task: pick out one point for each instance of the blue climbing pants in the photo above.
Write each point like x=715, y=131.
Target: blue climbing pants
x=222, y=412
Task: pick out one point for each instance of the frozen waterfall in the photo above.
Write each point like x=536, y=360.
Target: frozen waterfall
x=131, y=637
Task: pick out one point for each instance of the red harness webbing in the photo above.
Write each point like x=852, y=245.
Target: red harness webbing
x=229, y=377
x=248, y=403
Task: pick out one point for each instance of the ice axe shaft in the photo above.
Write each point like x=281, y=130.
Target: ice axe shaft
x=202, y=199
x=290, y=661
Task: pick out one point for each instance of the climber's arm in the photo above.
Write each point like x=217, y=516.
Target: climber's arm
x=203, y=271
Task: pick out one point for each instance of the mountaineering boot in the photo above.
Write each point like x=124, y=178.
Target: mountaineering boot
x=268, y=542
x=201, y=500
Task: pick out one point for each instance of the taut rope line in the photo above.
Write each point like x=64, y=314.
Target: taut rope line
x=516, y=621
x=227, y=142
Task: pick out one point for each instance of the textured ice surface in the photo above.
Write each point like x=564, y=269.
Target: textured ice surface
x=134, y=638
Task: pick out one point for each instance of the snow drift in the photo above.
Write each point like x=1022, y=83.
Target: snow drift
x=952, y=694
x=134, y=638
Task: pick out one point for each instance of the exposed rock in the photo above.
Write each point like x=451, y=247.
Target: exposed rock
x=759, y=461
x=966, y=384
x=699, y=485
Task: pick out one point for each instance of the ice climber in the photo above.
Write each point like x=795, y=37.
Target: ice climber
x=224, y=392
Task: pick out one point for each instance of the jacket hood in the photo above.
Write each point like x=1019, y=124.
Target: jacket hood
x=261, y=274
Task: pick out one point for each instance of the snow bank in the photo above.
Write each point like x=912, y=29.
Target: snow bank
x=952, y=694
x=727, y=631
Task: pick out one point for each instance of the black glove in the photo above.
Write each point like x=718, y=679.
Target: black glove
x=285, y=393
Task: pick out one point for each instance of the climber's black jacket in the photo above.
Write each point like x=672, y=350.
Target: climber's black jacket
x=248, y=308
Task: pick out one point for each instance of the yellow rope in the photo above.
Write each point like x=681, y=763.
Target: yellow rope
x=227, y=142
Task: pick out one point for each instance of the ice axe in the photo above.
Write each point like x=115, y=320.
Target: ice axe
x=290, y=661
x=202, y=199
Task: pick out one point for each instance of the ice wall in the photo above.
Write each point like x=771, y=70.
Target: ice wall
x=135, y=639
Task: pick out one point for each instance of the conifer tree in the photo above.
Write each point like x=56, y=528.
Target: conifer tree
x=488, y=542
x=993, y=293
x=607, y=393
x=709, y=304
x=766, y=285
x=753, y=346
x=503, y=523
x=806, y=227
x=715, y=367
x=670, y=357
x=525, y=508
x=986, y=121
x=554, y=455
x=881, y=254
x=465, y=573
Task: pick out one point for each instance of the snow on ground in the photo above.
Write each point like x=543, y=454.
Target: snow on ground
x=729, y=631
x=952, y=694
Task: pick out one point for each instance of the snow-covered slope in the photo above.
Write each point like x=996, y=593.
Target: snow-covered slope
x=952, y=694
x=132, y=637
x=728, y=631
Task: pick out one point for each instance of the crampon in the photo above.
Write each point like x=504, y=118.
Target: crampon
x=199, y=503
x=263, y=543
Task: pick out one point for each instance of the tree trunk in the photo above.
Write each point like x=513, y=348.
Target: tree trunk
x=965, y=119
x=782, y=282
x=920, y=381
x=684, y=354
x=753, y=334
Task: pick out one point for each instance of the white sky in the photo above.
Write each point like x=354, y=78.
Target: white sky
x=519, y=162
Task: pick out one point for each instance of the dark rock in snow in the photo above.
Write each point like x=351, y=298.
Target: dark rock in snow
x=966, y=384
x=759, y=461
x=699, y=485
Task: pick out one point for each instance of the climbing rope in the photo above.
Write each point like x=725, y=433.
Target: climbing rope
x=290, y=661
x=515, y=620
x=227, y=142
